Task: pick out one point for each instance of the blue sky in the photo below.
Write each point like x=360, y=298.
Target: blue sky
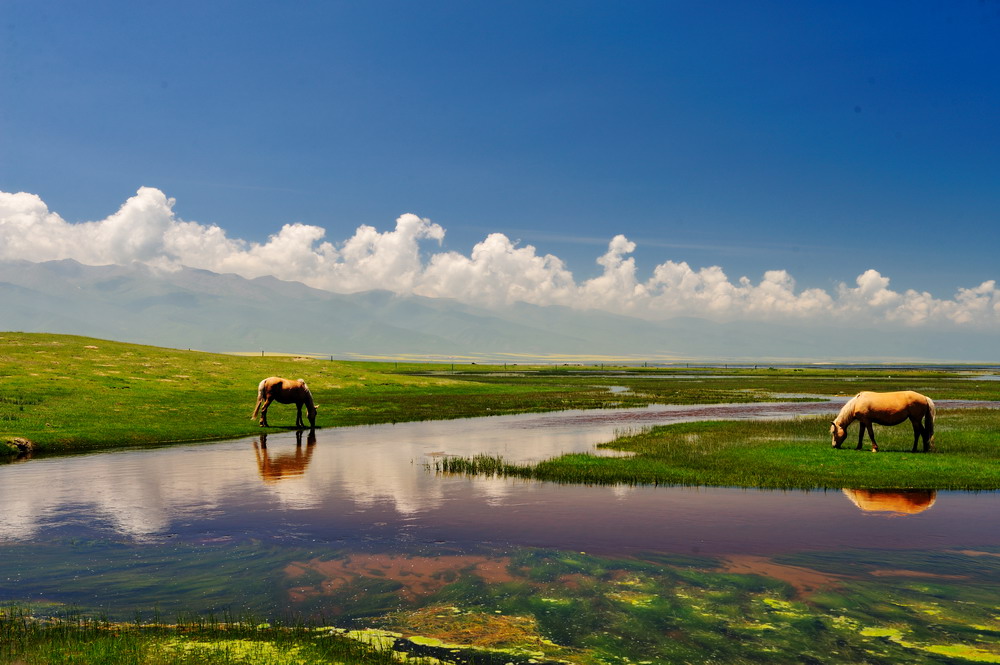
x=819, y=138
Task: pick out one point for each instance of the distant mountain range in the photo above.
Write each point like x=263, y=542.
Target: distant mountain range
x=203, y=310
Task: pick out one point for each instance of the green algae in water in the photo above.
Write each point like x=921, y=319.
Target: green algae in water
x=116, y=580
x=883, y=607
x=606, y=610
x=229, y=651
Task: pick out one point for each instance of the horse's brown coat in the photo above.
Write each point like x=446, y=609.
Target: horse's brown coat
x=870, y=408
x=285, y=391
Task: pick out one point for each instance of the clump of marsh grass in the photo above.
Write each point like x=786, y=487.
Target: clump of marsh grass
x=477, y=465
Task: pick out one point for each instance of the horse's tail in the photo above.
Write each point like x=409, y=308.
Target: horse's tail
x=929, y=421
x=260, y=399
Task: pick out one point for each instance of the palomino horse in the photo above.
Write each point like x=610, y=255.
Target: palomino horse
x=285, y=391
x=886, y=409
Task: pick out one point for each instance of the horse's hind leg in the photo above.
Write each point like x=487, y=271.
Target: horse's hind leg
x=263, y=412
x=918, y=431
x=926, y=435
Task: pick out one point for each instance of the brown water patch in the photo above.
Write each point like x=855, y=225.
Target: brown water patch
x=805, y=581
x=975, y=553
x=916, y=573
x=418, y=576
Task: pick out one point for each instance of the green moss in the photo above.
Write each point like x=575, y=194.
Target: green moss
x=784, y=608
x=893, y=634
x=964, y=651
x=383, y=640
x=238, y=651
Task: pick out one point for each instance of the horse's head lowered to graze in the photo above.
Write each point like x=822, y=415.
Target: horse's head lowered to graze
x=285, y=391
x=838, y=433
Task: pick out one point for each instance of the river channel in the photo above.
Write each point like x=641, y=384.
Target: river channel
x=354, y=523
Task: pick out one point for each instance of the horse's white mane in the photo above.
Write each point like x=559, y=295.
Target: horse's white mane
x=306, y=389
x=846, y=412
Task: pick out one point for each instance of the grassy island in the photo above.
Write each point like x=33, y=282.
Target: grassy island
x=782, y=454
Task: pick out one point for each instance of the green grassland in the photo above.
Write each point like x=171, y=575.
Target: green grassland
x=66, y=393
x=780, y=454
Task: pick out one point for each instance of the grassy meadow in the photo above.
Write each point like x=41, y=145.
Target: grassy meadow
x=65, y=393
x=779, y=454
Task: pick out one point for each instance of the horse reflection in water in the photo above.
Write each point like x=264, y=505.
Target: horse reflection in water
x=895, y=502
x=277, y=467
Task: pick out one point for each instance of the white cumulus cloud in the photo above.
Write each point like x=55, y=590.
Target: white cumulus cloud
x=498, y=271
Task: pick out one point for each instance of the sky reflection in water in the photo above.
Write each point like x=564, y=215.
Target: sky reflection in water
x=369, y=486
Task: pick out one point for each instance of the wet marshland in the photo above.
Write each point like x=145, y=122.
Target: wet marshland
x=352, y=527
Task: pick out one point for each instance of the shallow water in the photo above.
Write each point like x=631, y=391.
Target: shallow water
x=174, y=527
x=339, y=473
x=374, y=482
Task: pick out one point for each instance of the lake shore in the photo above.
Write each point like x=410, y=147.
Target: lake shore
x=72, y=394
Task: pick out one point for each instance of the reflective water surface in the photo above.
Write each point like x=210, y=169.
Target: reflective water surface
x=283, y=505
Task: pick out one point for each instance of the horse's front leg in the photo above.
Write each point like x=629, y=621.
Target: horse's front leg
x=298, y=416
x=871, y=435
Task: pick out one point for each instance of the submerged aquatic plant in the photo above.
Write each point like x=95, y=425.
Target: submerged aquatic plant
x=550, y=605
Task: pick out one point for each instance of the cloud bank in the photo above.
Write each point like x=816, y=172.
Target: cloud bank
x=496, y=272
